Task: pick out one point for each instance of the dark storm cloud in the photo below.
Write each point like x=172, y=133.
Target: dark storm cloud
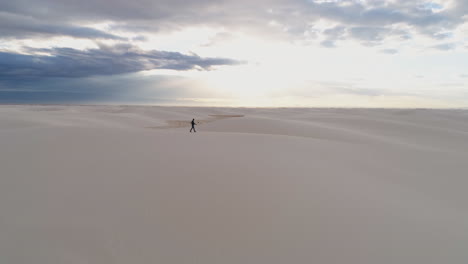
x=107, y=60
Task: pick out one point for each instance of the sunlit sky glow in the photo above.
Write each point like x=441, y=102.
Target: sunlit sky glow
x=348, y=53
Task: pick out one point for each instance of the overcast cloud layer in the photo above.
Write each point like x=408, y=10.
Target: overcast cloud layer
x=366, y=20
x=385, y=24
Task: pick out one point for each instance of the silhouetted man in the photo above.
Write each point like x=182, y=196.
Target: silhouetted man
x=193, y=126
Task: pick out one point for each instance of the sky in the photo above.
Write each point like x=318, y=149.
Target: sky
x=262, y=53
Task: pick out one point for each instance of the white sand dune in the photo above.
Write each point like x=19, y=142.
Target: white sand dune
x=128, y=184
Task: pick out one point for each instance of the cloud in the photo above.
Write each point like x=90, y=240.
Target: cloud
x=332, y=35
x=328, y=43
x=383, y=13
x=364, y=18
x=17, y=26
x=389, y=51
x=442, y=35
x=335, y=32
x=445, y=46
x=369, y=34
x=107, y=60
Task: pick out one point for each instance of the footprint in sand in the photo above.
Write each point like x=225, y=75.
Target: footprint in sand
x=185, y=123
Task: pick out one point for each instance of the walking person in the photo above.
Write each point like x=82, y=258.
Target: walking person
x=193, y=126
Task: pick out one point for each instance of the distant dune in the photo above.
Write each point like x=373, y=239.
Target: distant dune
x=130, y=184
